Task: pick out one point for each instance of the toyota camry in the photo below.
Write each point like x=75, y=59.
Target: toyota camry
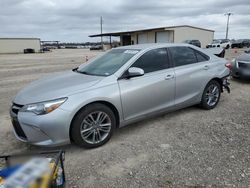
x=117, y=88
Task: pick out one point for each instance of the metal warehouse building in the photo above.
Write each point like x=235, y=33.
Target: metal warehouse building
x=17, y=45
x=174, y=34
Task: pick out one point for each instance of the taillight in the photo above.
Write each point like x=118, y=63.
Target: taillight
x=228, y=65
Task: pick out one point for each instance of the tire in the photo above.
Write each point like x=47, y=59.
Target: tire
x=209, y=99
x=93, y=126
x=227, y=47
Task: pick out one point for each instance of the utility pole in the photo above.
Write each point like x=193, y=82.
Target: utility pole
x=101, y=32
x=228, y=16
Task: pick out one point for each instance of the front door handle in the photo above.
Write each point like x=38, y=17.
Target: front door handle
x=206, y=67
x=169, y=77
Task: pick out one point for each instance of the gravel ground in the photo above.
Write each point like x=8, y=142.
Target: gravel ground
x=186, y=148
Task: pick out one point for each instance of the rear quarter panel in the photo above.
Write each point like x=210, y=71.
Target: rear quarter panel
x=217, y=70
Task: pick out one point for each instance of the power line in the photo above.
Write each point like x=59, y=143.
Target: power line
x=101, y=22
x=228, y=16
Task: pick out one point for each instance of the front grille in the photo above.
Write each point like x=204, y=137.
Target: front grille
x=15, y=108
x=243, y=65
x=18, y=129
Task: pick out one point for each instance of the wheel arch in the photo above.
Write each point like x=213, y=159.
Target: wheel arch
x=219, y=80
x=108, y=104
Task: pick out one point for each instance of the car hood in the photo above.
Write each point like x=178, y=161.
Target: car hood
x=244, y=57
x=54, y=87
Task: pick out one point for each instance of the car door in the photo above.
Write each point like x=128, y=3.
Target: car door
x=192, y=71
x=151, y=92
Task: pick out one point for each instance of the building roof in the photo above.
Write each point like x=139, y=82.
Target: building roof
x=16, y=38
x=147, y=30
x=152, y=45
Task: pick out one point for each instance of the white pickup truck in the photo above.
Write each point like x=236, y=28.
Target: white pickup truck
x=220, y=43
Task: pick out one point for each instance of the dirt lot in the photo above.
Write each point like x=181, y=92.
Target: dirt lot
x=190, y=147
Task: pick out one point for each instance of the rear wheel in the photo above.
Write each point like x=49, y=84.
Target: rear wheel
x=211, y=95
x=93, y=126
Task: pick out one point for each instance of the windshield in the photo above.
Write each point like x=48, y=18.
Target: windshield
x=108, y=63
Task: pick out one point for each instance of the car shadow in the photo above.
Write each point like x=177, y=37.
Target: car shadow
x=241, y=80
x=119, y=133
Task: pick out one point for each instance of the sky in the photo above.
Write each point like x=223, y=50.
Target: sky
x=75, y=20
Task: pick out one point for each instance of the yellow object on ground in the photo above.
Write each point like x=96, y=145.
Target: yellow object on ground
x=1, y=180
x=45, y=180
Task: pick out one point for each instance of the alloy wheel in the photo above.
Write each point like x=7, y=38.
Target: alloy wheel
x=95, y=127
x=212, y=95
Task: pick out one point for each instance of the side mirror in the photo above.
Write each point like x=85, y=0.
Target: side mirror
x=133, y=72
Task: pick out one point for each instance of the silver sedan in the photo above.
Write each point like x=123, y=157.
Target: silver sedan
x=122, y=86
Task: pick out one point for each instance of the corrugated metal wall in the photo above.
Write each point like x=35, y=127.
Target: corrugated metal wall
x=17, y=45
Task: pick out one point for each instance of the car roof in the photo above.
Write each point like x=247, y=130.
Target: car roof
x=152, y=45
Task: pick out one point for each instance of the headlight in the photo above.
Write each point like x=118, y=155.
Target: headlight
x=43, y=107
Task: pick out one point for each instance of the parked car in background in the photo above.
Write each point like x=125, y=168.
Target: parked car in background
x=241, y=43
x=96, y=47
x=28, y=51
x=122, y=86
x=45, y=49
x=193, y=42
x=241, y=66
x=220, y=43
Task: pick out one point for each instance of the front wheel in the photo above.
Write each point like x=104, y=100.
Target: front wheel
x=93, y=126
x=211, y=95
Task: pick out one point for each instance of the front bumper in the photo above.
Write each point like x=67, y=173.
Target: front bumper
x=42, y=130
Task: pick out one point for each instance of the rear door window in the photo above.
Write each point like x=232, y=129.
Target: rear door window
x=182, y=55
x=200, y=56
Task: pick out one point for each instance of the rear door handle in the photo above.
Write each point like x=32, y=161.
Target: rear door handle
x=206, y=67
x=169, y=77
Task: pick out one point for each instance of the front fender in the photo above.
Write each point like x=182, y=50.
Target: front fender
x=108, y=94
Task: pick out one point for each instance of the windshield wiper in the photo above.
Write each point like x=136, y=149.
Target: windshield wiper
x=84, y=72
x=74, y=69
x=87, y=73
x=81, y=72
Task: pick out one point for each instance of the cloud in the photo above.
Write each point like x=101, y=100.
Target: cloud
x=75, y=20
